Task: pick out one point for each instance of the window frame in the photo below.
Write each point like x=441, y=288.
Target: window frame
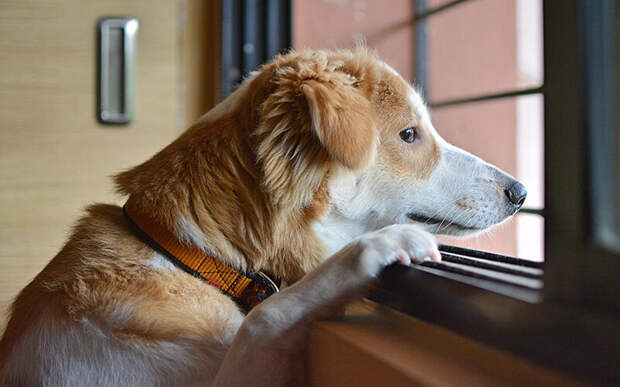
x=574, y=327
x=580, y=269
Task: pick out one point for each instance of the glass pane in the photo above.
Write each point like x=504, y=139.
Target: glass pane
x=507, y=133
x=484, y=46
x=530, y=237
x=530, y=148
x=344, y=24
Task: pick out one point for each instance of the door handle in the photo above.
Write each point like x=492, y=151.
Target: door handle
x=116, y=69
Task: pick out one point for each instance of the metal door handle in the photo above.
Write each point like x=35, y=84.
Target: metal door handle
x=117, y=54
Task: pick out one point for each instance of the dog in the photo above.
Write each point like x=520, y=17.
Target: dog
x=320, y=170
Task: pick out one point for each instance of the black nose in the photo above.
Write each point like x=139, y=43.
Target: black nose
x=516, y=193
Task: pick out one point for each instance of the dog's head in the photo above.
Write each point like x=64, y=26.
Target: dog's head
x=392, y=165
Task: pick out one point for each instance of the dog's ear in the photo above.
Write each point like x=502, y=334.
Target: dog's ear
x=342, y=119
x=315, y=112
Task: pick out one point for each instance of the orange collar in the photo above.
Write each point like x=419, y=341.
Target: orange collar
x=246, y=289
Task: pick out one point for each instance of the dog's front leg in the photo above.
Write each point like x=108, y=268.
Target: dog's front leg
x=269, y=346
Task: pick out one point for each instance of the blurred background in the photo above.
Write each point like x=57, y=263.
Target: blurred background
x=477, y=62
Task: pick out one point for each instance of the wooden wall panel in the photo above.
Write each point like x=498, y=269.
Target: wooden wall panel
x=54, y=157
x=200, y=57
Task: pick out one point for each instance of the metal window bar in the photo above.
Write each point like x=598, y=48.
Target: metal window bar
x=253, y=31
x=253, y=35
x=420, y=49
x=485, y=255
x=423, y=13
x=482, y=264
x=493, y=276
x=487, y=97
x=511, y=276
x=533, y=211
x=231, y=46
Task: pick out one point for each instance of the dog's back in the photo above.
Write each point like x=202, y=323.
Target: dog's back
x=73, y=319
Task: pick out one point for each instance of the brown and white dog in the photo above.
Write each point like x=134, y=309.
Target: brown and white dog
x=322, y=168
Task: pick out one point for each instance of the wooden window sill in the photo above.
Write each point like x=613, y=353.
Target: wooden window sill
x=376, y=346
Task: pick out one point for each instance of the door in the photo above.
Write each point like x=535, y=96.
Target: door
x=55, y=158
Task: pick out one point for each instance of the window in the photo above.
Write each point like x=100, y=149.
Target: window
x=480, y=67
x=572, y=322
x=452, y=65
x=484, y=87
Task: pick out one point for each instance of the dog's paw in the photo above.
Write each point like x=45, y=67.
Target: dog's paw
x=402, y=243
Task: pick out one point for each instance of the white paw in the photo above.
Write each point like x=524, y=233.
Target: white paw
x=404, y=243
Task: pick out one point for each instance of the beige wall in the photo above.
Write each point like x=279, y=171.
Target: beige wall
x=55, y=158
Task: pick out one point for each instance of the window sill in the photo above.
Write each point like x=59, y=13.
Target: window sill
x=374, y=345
x=567, y=338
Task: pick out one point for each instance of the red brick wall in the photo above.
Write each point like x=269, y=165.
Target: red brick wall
x=384, y=25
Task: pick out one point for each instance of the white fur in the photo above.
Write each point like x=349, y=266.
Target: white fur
x=189, y=233
x=376, y=198
x=85, y=353
x=159, y=262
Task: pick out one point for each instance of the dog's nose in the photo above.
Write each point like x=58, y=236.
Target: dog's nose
x=516, y=193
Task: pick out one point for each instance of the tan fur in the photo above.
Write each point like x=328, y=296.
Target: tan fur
x=247, y=180
x=416, y=160
x=100, y=270
x=466, y=203
x=253, y=178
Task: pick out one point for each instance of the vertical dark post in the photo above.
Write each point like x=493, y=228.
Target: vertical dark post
x=253, y=35
x=421, y=49
x=231, y=45
x=599, y=71
x=253, y=32
x=564, y=138
x=278, y=28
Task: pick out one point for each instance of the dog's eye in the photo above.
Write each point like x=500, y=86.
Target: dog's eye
x=408, y=135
